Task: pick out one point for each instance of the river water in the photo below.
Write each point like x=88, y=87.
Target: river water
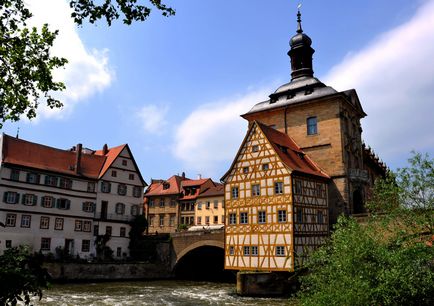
x=159, y=293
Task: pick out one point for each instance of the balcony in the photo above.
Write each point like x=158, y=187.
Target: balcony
x=113, y=217
x=358, y=175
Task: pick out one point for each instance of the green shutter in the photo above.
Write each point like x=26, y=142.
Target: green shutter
x=17, y=198
x=57, y=203
x=68, y=204
x=35, y=199
x=5, y=196
x=23, y=198
x=109, y=187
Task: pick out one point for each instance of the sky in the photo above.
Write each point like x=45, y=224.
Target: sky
x=174, y=88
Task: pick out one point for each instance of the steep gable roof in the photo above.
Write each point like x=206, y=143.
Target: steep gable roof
x=33, y=155
x=291, y=155
x=157, y=187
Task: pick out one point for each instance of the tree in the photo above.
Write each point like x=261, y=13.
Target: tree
x=26, y=65
x=389, y=260
x=21, y=276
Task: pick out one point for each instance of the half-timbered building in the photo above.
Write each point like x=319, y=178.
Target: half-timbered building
x=275, y=203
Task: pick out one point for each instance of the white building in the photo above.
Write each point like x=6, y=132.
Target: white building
x=64, y=199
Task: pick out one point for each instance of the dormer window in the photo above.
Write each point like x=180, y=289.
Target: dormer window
x=166, y=186
x=312, y=127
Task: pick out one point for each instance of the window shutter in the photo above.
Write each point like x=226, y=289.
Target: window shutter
x=23, y=199
x=38, y=178
x=17, y=198
x=35, y=199
x=109, y=187
x=46, y=180
x=68, y=204
x=57, y=203
x=5, y=196
x=82, y=206
x=93, y=207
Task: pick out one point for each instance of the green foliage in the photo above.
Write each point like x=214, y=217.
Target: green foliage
x=389, y=260
x=112, y=10
x=139, y=247
x=103, y=252
x=21, y=276
x=25, y=64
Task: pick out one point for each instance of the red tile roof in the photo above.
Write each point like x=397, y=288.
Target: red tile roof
x=290, y=153
x=111, y=155
x=213, y=191
x=189, y=183
x=156, y=188
x=25, y=153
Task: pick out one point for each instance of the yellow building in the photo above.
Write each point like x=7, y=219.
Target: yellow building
x=276, y=203
x=210, y=208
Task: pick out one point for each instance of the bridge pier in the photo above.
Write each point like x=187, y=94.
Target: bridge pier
x=264, y=283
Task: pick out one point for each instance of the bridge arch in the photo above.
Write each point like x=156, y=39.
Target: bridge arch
x=198, y=244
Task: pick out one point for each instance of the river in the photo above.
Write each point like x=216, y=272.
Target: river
x=170, y=292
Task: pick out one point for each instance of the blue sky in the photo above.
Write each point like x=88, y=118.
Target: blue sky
x=173, y=88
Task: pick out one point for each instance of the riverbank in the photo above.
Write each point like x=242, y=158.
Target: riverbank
x=79, y=272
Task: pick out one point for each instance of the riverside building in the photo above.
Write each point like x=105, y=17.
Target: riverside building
x=58, y=200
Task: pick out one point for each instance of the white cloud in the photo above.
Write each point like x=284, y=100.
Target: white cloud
x=394, y=79
x=210, y=136
x=86, y=73
x=153, y=118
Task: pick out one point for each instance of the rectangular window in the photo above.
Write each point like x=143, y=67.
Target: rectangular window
x=216, y=204
x=90, y=186
x=320, y=217
x=255, y=148
x=58, y=224
x=45, y=244
x=199, y=220
x=245, y=170
x=44, y=223
x=246, y=251
x=78, y=226
x=134, y=210
x=85, y=245
x=254, y=250
x=319, y=190
x=26, y=220
x=231, y=250
x=281, y=215
x=151, y=220
x=122, y=231
x=29, y=199
x=256, y=190
x=298, y=187
x=122, y=189
x=15, y=175
x=11, y=197
x=47, y=202
x=199, y=205
x=105, y=187
x=65, y=183
x=151, y=203
x=120, y=208
x=216, y=219
x=161, y=220
x=114, y=173
x=299, y=214
x=208, y=205
x=265, y=167
x=87, y=226
x=244, y=218
x=172, y=220
x=280, y=250
x=108, y=230
x=262, y=216
x=172, y=203
x=131, y=176
x=88, y=207
x=312, y=128
x=278, y=187
x=232, y=218
x=32, y=178
x=118, y=252
x=234, y=192
x=51, y=180
x=137, y=191
x=161, y=202
x=207, y=220
x=11, y=220
x=124, y=162
x=63, y=203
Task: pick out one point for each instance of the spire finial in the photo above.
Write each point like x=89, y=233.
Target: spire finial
x=299, y=29
x=18, y=133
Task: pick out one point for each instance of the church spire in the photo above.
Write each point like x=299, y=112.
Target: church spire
x=301, y=52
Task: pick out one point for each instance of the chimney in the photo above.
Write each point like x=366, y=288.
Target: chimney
x=183, y=175
x=78, y=158
x=104, y=149
x=199, y=176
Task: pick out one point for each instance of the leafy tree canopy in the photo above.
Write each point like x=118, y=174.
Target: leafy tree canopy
x=21, y=276
x=388, y=260
x=25, y=62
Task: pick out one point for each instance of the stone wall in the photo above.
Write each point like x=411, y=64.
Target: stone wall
x=106, y=271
